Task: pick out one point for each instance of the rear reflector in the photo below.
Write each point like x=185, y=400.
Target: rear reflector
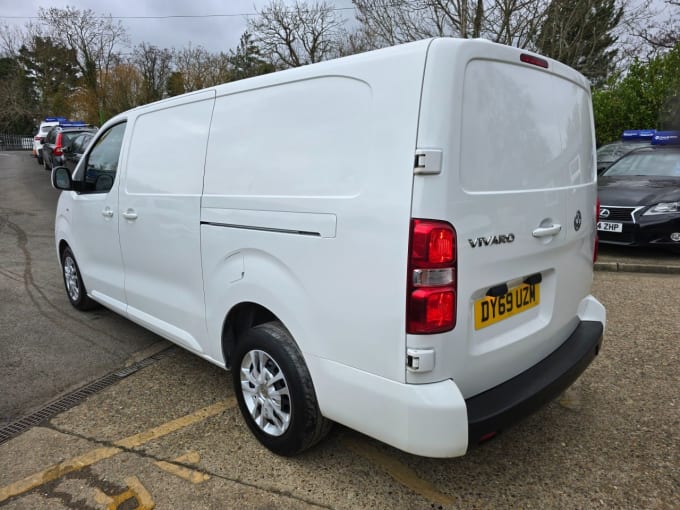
x=530, y=59
x=487, y=436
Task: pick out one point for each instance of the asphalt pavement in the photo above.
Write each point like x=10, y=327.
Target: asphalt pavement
x=46, y=347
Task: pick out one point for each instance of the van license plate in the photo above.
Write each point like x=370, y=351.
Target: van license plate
x=490, y=310
x=608, y=226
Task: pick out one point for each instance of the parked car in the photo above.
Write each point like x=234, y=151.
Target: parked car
x=640, y=196
x=360, y=260
x=630, y=140
x=74, y=151
x=39, y=137
x=58, y=138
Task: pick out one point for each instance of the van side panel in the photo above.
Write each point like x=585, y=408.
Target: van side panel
x=308, y=179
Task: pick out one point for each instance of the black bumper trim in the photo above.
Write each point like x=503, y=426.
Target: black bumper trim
x=499, y=407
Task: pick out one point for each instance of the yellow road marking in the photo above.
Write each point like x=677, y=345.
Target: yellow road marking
x=56, y=471
x=102, y=498
x=191, y=457
x=144, y=500
x=190, y=475
x=179, y=423
x=135, y=490
x=400, y=472
x=93, y=456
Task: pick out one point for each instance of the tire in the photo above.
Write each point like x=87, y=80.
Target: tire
x=286, y=419
x=40, y=159
x=73, y=282
x=45, y=165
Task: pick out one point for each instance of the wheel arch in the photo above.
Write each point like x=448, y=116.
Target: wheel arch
x=61, y=246
x=240, y=318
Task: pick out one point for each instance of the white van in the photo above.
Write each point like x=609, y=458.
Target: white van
x=400, y=241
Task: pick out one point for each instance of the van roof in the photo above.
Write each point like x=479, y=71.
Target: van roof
x=328, y=66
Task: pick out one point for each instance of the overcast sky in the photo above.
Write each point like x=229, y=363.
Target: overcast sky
x=216, y=33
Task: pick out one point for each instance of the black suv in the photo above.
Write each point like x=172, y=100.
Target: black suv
x=75, y=150
x=58, y=142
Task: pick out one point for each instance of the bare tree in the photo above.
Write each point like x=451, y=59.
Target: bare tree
x=155, y=67
x=96, y=40
x=512, y=22
x=17, y=97
x=297, y=35
x=198, y=68
x=11, y=38
x=392, y=22
x=661, y=31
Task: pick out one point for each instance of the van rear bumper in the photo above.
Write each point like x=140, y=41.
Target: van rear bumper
x=434, y=419
x=502, y=405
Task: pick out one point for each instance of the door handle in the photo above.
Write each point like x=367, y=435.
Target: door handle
x=130, y=214
x=552, y=230
x=107, y=212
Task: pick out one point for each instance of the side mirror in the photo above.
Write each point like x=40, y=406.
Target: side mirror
x=61, y=178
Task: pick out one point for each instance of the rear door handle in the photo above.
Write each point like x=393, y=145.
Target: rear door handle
x=130, y=214
x=552, y=230
x=107, y=212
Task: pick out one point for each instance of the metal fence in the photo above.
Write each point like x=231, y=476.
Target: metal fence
x=15, y=142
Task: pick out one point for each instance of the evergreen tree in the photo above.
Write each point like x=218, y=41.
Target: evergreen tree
x=580, y=34
x=247, y=60
x=51, y=68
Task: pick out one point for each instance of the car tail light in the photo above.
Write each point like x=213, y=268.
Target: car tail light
x=58, y=148
x=597, y=238
x=431, y=306
x=36, y=138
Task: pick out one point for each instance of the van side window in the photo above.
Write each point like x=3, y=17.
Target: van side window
x=102, y=163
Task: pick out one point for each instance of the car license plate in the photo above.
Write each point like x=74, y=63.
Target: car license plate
x=490, y=310
x=608, y=226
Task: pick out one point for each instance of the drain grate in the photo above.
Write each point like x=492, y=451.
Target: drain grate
x=73, y=399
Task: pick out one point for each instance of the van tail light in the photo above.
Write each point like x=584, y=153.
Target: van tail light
x=58, y=147
x=530, y=59
x=597, y=238
x=431, y=301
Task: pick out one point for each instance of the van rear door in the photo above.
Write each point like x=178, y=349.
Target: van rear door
x=517, y=182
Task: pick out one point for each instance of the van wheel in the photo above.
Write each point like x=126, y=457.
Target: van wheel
x=75, y=289
x=275, y=392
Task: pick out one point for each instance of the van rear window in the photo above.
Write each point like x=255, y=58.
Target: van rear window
x=524, y=129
